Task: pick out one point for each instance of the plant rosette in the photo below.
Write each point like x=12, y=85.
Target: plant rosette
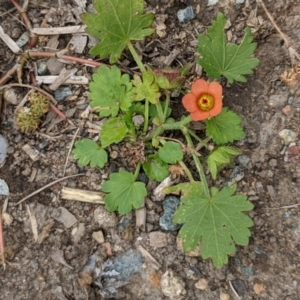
x=214, y=217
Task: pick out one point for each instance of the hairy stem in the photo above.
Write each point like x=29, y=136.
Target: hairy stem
x=146, y=122
x=198, y=163
x=137, y=171
x=136, y=57
x=160, y=112
x=166, y=107
x=186, y=170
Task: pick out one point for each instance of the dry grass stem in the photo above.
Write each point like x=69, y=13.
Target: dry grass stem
x=70, y=150
x=46, y=186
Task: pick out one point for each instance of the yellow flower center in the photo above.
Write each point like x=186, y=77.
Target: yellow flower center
x=206, y=102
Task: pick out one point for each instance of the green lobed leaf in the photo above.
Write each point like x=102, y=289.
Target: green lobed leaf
x=113, y=131
x=219, y=222
x=187, y=189
x=170, y=152
x=225, y=127
x=124, y=193
x=155, y=168
x=220, y=58
x=116, y=23
x=146, y=88
x=220, y=157
x=89, y=152
x=110, y=91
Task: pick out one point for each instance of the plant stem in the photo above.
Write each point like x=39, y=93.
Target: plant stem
x=194, y=135
x=166, y=107
x=177, y=125
x=160, y=112
x=137, y=171
x=146, y=116
x=198, y=163
x=186, y=170
x=136, y=57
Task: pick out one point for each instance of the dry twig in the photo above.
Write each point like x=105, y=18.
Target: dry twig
x=2, y=240
x=46, y=186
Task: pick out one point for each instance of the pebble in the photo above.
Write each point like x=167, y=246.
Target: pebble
x=4, y=190
x=201, y=284
x=61, y=93
x=290, y=100
x=158, y=239
x=224, y=296
x=172, y=286
x=170, y=204
x=243, y=160
x=258, y=250
x=248, y=271
x=23, y=39
x=239, y=286
x=98, y=236
x=42, y=68
x=287, y=214
x=278, y=100
x=287, y=110
x=273, y=162
x=3, y=148
x=64, y=216
x=104, y=218
x=288, y=136
x=292, y=151
x=187, y=14
x=124, y=265
x=236, y=175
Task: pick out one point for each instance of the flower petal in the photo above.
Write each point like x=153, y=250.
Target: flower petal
x=215, y=89
x=216, y=110
x=199, y=87
x=200, y=115
x=189, y=102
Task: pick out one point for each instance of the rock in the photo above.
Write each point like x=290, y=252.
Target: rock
x=288, y=136
x=258, y=288
x=98, y=236
x=124, y=266
x=3, y=149
x=79, y=42
x=104, y=218
x=273, y=162
x=158, y=239
x=243, y=160
x=239, y=286
x=201, y=284
x=61, y=93
x=248, y=271
x=287, y=214
x=224, y=296
x=4, y=190
x=290, y=100
x=278, y=100
x=64, y=216
x=170, y=204
x=287, y=110
x=187, y=14
x=236, y=175
x=292, y=151
x=78, y=232
x=172, y=286
x=42, y=68
x=23, y=39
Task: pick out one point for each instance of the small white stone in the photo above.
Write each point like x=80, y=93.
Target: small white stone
x=201, y=284
x=98, y=236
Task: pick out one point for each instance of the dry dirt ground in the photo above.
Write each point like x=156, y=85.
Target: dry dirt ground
x=50, y=267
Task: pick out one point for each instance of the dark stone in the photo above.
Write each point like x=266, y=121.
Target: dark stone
x=170, y=204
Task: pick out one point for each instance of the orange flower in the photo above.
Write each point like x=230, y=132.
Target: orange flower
x=204, y=101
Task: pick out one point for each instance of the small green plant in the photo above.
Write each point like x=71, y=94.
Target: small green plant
x=28, y=119
x=139, y=119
